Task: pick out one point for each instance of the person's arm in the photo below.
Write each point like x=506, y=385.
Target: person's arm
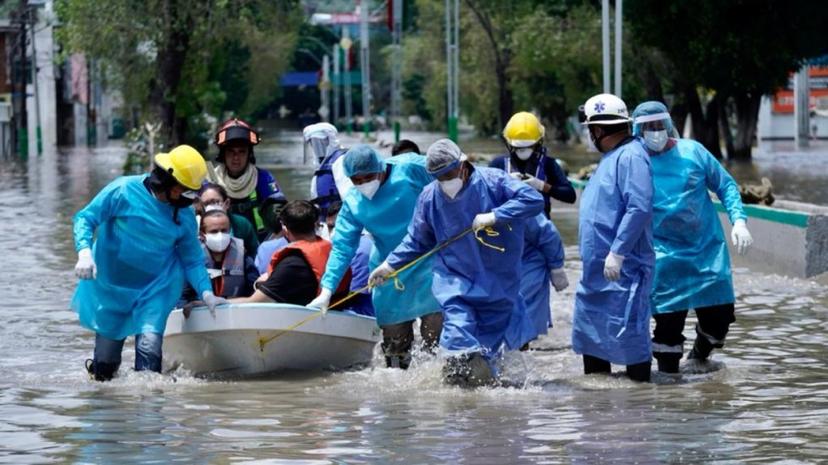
x=518, y=201
x=636, y=185
x=721, y=182
x=557, y=185
x=100, y=209
x=543, y=234
x=419, y=239
x=192, y=255
x=345, y=243
x=251, y=274
x=498, y=162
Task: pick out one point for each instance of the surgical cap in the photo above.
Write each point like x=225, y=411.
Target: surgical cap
x=651, y=111
x=443, y=156
x=362, y=159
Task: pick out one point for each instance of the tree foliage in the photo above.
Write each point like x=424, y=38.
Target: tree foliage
x=183, y=60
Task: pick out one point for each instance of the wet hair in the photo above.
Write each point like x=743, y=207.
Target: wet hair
x=405, y=146
x=334, y=207
x=211, y=214
x=210, y=186
x=300, y=216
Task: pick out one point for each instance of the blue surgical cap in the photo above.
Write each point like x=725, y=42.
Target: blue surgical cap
x=362, y=159
x=651, y=111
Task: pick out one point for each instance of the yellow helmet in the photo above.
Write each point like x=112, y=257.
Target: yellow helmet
x=185, y=164
x=523, y=130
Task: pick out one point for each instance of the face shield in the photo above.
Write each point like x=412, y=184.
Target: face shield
x=315, y=149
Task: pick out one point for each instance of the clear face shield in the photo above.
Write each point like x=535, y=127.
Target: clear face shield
x=315, y=150
x=655, y=129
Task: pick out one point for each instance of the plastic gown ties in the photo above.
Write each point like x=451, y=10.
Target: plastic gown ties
x=398, y=284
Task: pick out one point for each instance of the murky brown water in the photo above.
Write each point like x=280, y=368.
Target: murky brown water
x=769, y=405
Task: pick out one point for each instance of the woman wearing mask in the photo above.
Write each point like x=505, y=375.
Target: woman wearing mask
x=232, y=273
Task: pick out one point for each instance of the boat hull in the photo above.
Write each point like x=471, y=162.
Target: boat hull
x=259, y=339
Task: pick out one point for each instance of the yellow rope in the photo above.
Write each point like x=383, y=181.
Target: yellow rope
x=398, y=285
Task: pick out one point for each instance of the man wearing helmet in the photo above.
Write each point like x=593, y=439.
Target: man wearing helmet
x=611, y=322
x=133, y=273
x=529, y=161
x=252, y=190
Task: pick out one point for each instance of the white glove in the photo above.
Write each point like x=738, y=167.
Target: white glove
x=85, y=268
x=612, y=266
x=739, y=235
x=483, y=220
x=379, y=275
x=517, y=176
x=559, y=280
x=322, y=301
x=211, y=301
x=535, y=183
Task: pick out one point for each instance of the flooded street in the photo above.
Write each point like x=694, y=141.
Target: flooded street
x=768, y=405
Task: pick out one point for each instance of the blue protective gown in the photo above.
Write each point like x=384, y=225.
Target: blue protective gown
x=612, y=319
x=386, y=216
x=142, y=257
x=543, y=252
x=478, y=287
x=692, y=262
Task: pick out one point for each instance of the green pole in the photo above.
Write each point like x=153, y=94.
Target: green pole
x=39, y=136
x=452, y=128
x=23, y=143
x=396, y=131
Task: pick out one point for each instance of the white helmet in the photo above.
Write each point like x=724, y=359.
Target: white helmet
x=319, y=131
x=605, y=109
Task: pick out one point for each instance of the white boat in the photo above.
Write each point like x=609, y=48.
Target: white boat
x=258, y=339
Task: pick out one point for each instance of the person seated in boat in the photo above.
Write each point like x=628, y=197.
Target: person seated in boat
x=360, y=303
x=295, y=271
x=381, y=202
x=405, y=146
x=214, y=197
x=250, y=189
x=475, y=218
x=275, y=240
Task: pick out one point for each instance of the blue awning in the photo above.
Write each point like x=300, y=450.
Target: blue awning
x=299, y=78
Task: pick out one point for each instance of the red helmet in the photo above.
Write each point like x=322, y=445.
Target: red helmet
x=236, y=129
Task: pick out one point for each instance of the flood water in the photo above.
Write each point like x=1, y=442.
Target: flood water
x=768, y=404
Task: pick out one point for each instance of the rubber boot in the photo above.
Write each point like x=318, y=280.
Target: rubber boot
x=100, y=371
x=468, y=371
x=701, y=349
x=396, y=344
x=596, y=365
x=640, y=372
x=668, y=362
x=431, y=326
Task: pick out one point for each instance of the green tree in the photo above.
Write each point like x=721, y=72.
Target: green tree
x=726, y=54
x=170, y=58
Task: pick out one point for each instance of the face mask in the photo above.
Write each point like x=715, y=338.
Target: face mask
x=655, y=140
x=524, y=154
x=217, y=242
x=451, y=187
x=212, y=207
x=181, y=202
x=368, y=189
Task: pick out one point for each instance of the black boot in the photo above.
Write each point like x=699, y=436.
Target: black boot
x=100, y=371
x=701, y=349
x=640, y=372
x=668, y=362
x=468, y=371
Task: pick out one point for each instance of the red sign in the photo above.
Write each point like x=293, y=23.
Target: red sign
x=783, y=101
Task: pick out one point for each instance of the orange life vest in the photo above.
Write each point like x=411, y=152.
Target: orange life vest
x=316, y=254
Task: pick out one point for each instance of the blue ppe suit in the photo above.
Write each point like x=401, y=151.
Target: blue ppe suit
x=543, y=252
x=386, y=216
x=142, y=258
x=612, y=319
x=692, y=261
x=359, y=278
x=478, y=287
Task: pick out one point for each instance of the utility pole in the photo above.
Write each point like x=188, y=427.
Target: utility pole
x=325, y=87
x=22, y=127
x=337, y=82
x=346, y=44
x=452, y=65
x=619, y=4
x=38, y=132
x=801, y=87
x=365, y=63
x=396, y=68
x=605, y=44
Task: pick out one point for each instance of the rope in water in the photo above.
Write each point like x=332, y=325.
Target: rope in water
x=491, y=232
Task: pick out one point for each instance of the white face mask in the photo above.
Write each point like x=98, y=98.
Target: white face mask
x=524, y=154
x=655, y=140
x=213, y=206
x=451, y=187
x=217, y=242
x=368, y=189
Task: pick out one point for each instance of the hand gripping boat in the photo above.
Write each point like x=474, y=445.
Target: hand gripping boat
x=257, y=339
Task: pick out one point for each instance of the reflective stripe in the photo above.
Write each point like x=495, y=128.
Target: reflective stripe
x=664, y=348
x=257, y=218
x=718, y=343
